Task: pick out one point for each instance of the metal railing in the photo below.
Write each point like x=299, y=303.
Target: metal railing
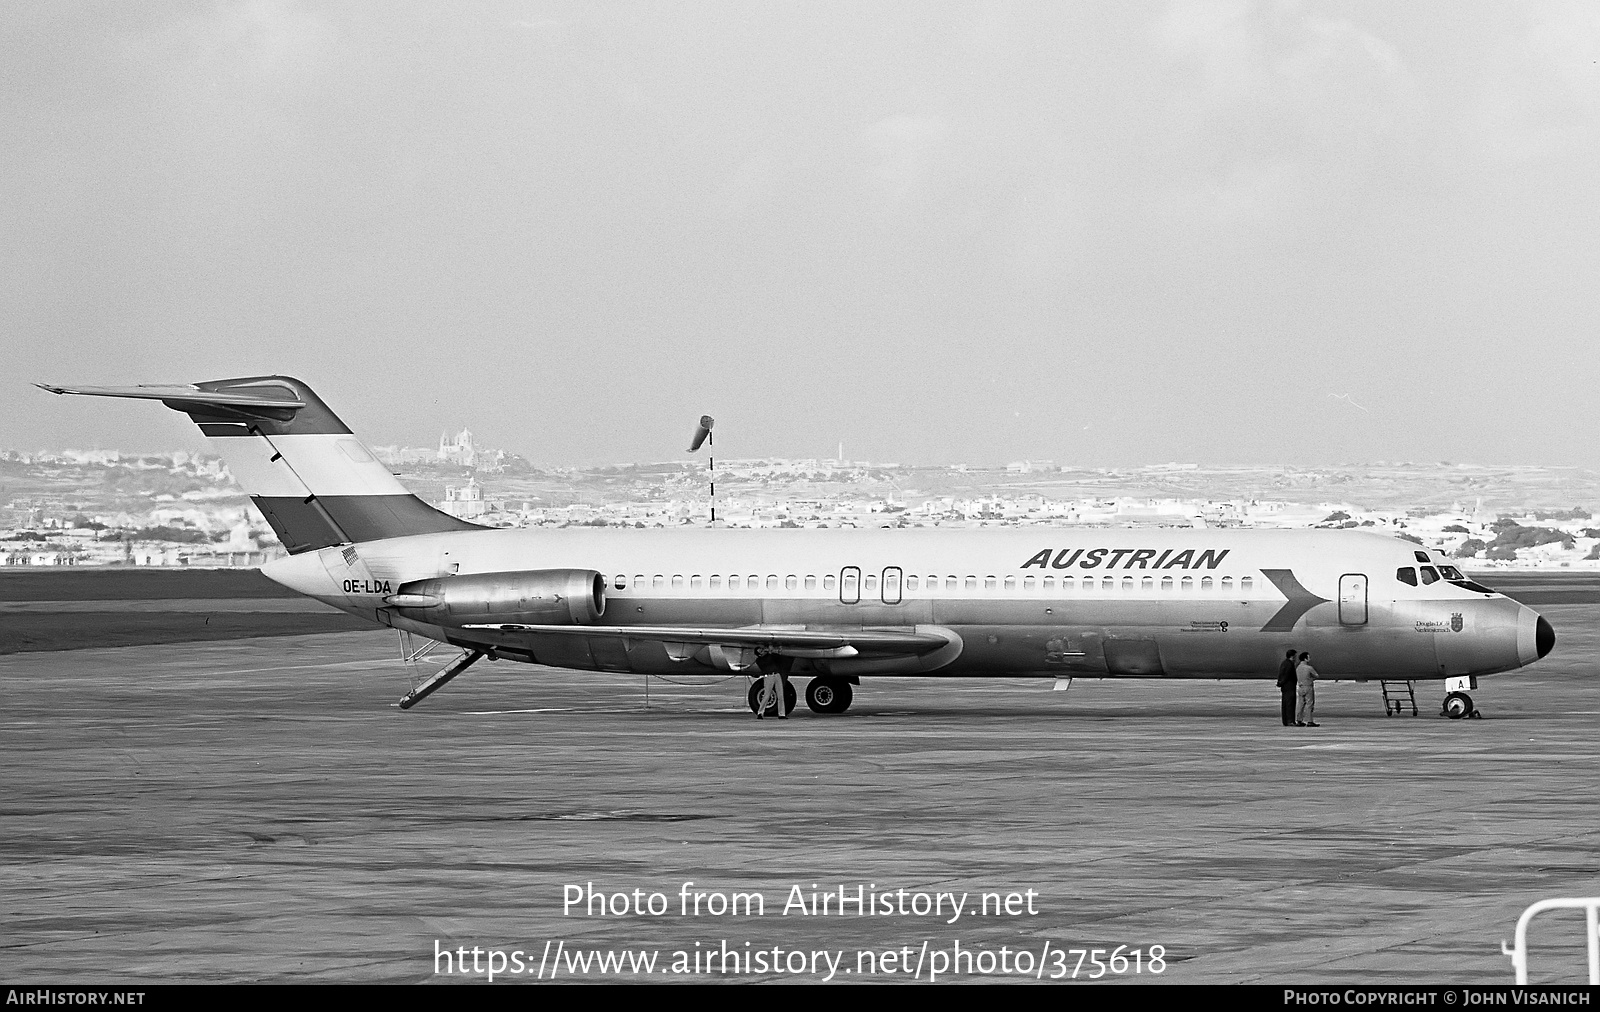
x=1519, y=954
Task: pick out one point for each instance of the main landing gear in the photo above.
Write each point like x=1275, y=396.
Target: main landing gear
x=823, y=695
x=828, y=695
x=1458, y=705
x=754, y=697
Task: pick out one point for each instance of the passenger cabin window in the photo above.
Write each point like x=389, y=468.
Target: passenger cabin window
x=772, y=581
x=1108, y=583
x=716, y=581
x=1429, y=575
x=1148, y=583
x=1227, y=584
x=694, y=582
x=870, y=585
x=622, y=582
x=850, y=585
x=1205, y=583
x=658, y=581
x=988, y=583
x=972, y=583
x=1166, y=583
x=791, y=582
x=1127, y=584
x=638, y=582
x=1406, y=575
x=951, y=582
x=827, y=581
x=1187, y=584
x=1050, y=583
x=1027, y=583
x=1011, y=583
x=677, y=582
x=1245, y=583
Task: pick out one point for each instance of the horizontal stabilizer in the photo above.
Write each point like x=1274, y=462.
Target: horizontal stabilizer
x=184, y=394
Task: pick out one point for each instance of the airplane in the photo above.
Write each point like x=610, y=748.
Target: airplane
x=832, y=606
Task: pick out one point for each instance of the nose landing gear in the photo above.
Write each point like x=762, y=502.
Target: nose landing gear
x=1458, y=705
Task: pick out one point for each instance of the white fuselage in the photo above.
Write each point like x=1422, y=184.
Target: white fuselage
x=1190, y=602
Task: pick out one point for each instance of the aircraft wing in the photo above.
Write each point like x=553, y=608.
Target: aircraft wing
x=779, y=639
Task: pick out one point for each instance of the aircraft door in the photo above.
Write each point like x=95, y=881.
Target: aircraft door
x=1353, y=599
x=891, y=585
x=850, y=585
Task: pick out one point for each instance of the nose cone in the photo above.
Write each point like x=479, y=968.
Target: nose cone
x=1535, y=635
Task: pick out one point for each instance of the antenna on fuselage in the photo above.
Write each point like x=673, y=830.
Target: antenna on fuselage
x=702, y=435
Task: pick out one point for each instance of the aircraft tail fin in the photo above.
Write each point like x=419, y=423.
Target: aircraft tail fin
x=316, y=484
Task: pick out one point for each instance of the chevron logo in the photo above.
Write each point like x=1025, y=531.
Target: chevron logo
x=1300, y=600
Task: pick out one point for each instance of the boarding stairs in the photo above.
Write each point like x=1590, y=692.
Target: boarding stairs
x=1397, y=696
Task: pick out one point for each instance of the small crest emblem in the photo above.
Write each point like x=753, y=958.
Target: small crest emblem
x=1456, y=622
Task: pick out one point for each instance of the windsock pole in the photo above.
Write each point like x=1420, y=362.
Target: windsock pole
x=702, y=436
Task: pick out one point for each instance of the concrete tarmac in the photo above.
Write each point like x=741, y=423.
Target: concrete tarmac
x=258, y=810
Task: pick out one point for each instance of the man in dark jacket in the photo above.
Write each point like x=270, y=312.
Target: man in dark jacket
x=1286, y=686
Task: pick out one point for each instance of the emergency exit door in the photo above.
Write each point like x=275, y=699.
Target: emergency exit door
x=891, y=585
x=850, y=585
x=1353, y=599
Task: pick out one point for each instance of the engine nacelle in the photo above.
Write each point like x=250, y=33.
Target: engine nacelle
x=533, y=597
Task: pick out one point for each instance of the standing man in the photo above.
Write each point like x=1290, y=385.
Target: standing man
x=771, y=690
x=1286, y=688
x=1306, y=689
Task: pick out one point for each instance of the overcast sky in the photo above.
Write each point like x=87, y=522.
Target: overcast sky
x=1280, y=232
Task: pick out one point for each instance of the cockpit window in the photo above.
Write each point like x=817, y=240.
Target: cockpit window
x=1421, y=556
x=1406, y=575
x=1429, y=575
x=1451, y=573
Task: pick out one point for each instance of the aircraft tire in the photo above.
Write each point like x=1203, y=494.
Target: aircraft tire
x=1458, y=705
x=828, y=695
x=753, y=697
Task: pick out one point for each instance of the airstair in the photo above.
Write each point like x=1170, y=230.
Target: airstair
x=1397, y=696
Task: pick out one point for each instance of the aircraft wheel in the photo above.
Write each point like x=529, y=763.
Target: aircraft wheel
x=753, y=697
x=1458, y=705
x=827, y=695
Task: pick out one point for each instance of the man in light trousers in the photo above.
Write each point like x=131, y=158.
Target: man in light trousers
x=1305, y=677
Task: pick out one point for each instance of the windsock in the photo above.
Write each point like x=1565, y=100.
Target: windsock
x=702, y=432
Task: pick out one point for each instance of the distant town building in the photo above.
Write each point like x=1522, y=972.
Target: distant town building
x=465, y=502
x=458, y=450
